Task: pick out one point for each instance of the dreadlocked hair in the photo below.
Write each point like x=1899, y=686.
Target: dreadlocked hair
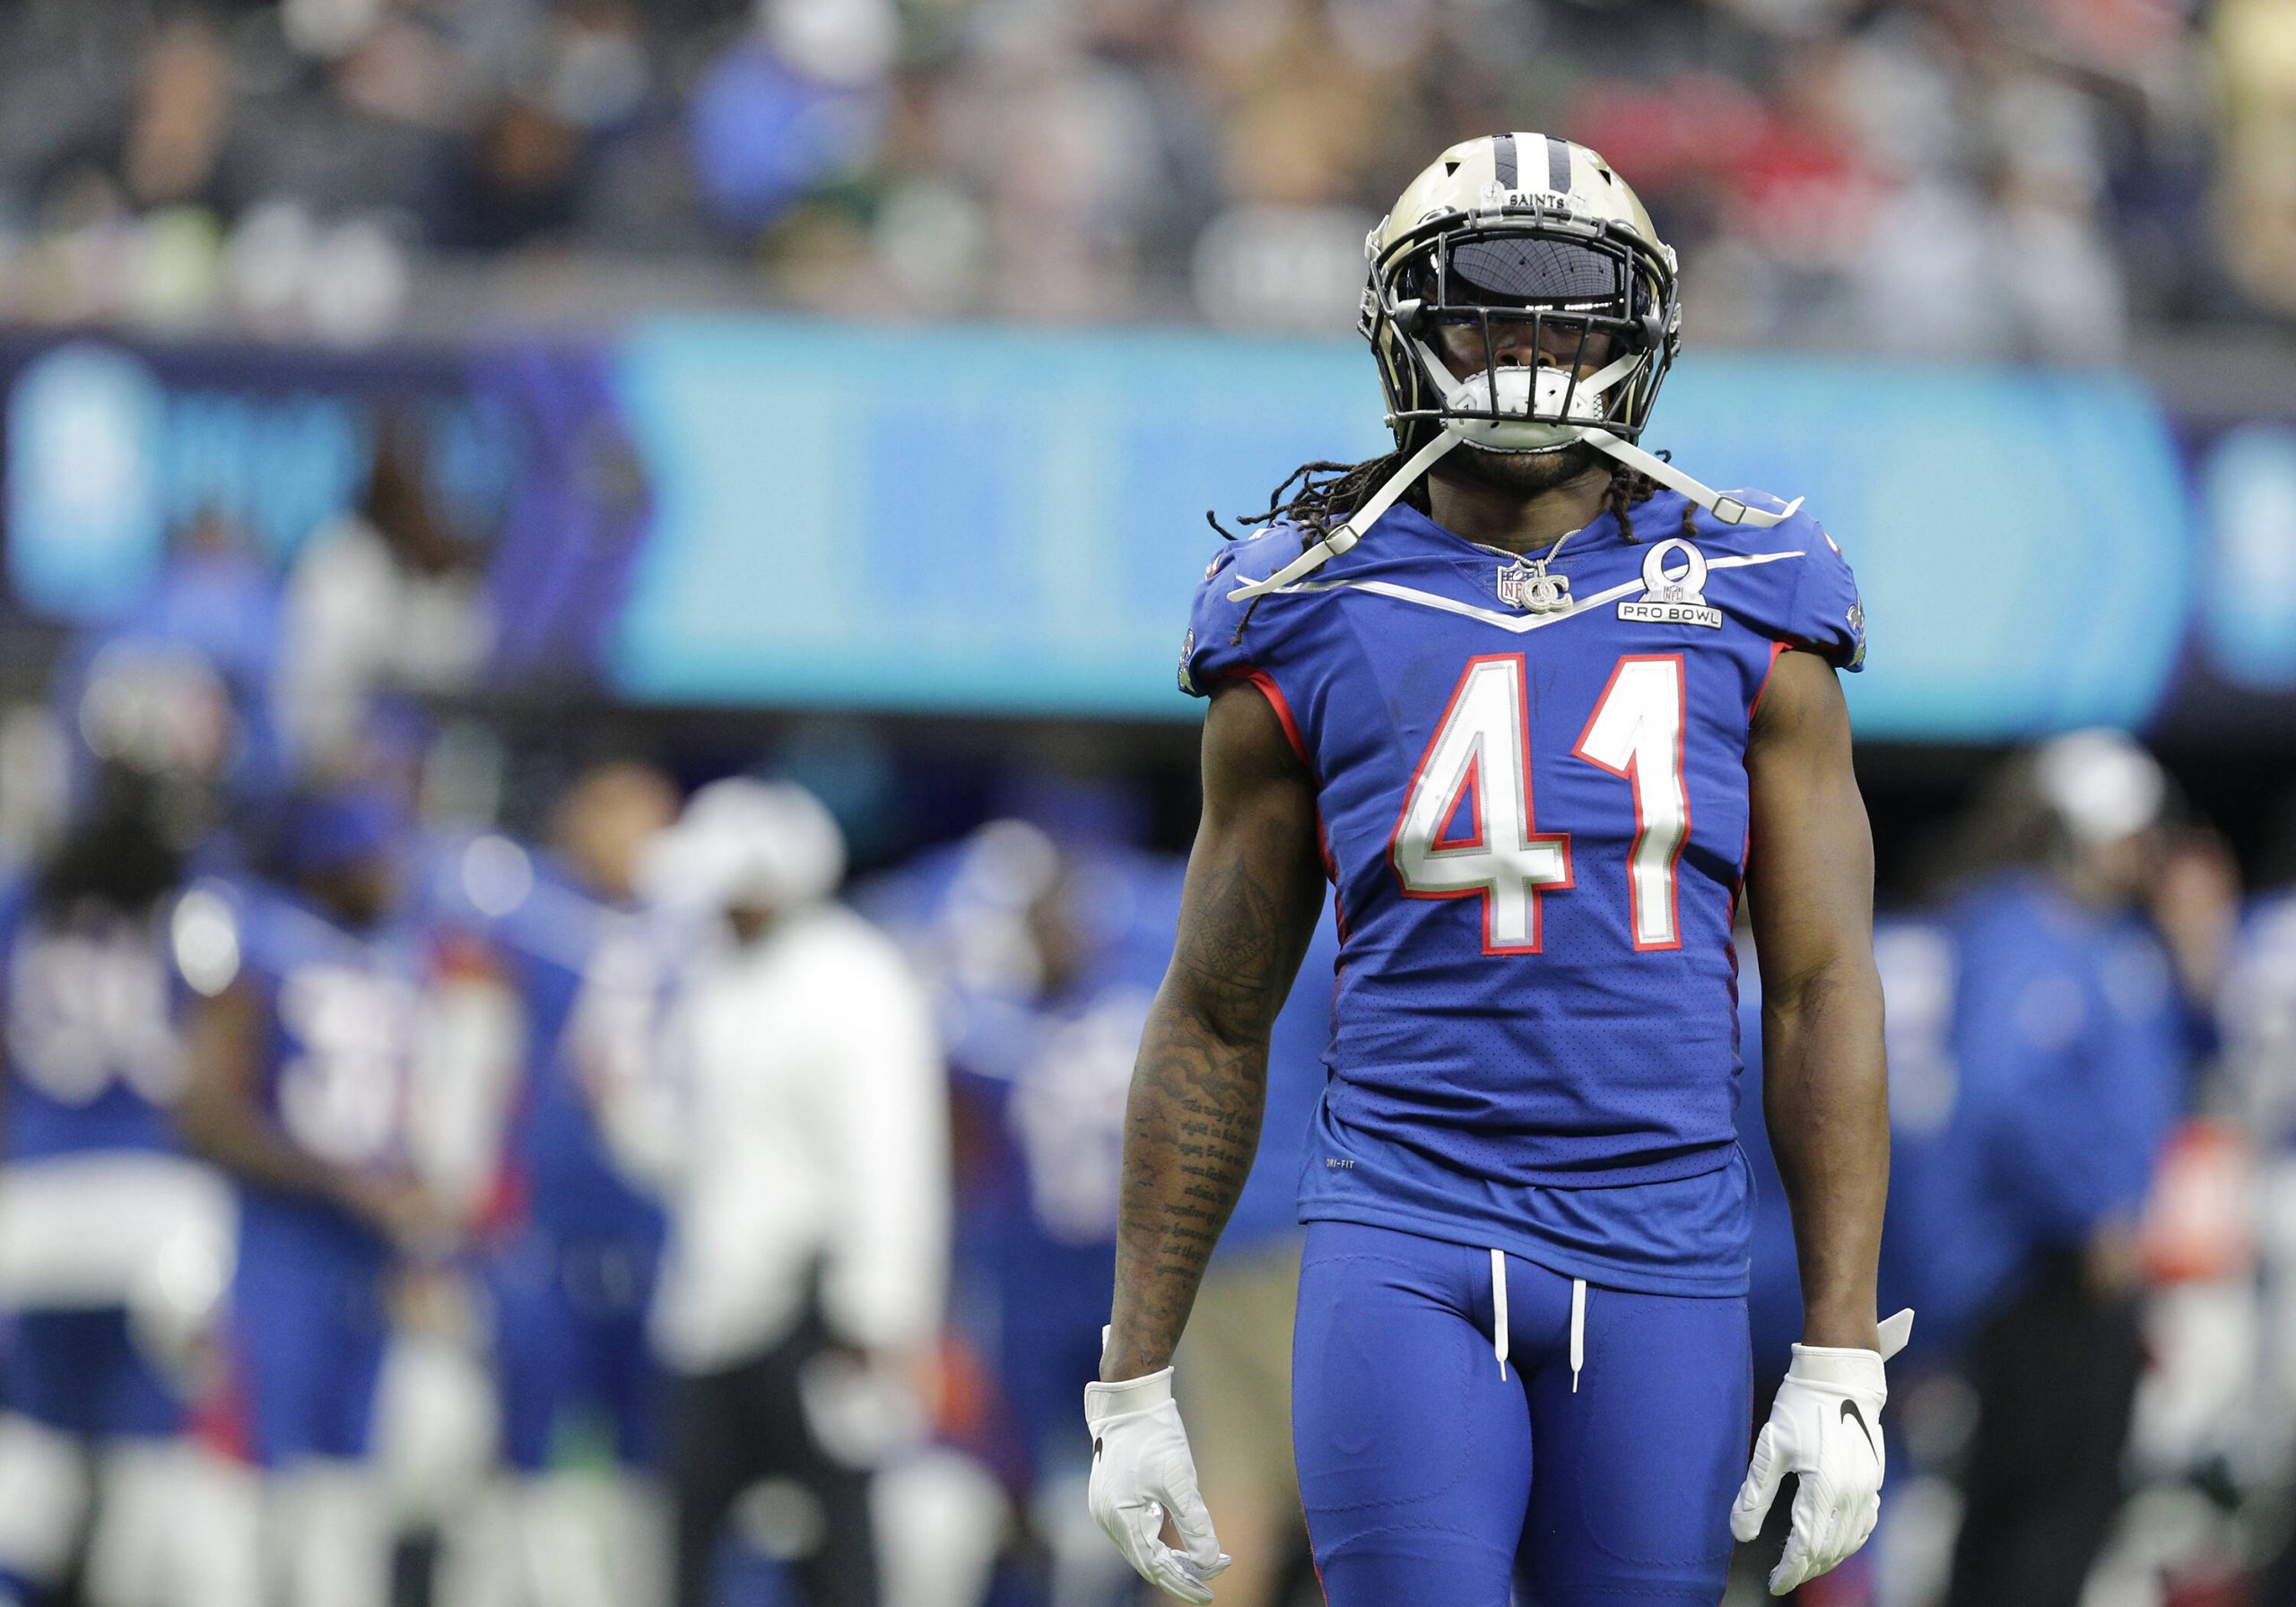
x=1629, y=487
x=1319, y=506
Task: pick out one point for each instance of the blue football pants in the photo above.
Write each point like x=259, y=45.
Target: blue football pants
x=1427, y=1471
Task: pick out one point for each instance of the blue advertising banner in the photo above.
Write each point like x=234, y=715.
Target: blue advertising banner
x=744, y=511
x=999, y=521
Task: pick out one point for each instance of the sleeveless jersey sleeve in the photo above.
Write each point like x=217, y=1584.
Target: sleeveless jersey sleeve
x=1807, y=596
x=1228, y=640
x=1825, y=614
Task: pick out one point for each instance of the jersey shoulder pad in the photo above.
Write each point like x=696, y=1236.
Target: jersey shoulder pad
x=1797, y=585
x=1227, y=639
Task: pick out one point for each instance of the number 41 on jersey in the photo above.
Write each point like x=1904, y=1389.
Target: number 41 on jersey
x=1481, y=752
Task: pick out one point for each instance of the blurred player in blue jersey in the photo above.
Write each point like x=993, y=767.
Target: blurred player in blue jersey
x=574, y=1273
x=111, y=1240
x=2074, y=1049
x=300, y=1058
x=2260, y=1021
x=1540, y=705
x=1045, y=943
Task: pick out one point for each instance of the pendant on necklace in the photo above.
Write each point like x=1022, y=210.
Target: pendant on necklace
x=1526, y=583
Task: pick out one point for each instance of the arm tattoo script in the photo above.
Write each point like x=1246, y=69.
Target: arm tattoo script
x=1192, y=1122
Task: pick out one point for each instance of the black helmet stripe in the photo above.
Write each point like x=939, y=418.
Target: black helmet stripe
x=1558, y=165
x=1502, y=155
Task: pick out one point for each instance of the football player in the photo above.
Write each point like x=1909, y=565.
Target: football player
x=1540, y=705
x=300, y=1049
x=113, y=1244
x=573, y=1273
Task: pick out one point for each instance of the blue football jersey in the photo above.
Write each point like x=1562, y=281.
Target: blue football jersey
x=93, y=1053
x=340, y=1012
x=1535, y=820
x=2071, y=1056
x=590, y=977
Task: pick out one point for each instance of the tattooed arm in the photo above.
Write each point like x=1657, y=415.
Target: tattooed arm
x=1255, y=886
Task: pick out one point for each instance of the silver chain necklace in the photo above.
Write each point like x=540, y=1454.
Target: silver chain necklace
x=1525, y=583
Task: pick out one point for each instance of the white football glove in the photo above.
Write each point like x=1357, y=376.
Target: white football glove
x=1143, y=1473
x=1825, y=1428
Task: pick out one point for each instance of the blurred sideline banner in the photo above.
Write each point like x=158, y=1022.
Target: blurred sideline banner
x=990, y=520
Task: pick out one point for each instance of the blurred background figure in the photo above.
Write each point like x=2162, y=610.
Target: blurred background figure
x=1041, y=933
x=799, y=1135
x=573, y=1246
x=2078, y=1031
x=300, y=1056
x=2260, y=1074
x=1045, y=933
x=381, y=600
x=114, y=1245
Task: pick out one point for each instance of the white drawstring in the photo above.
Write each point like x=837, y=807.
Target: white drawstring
x=1578, y=1330
x=1499, y=1308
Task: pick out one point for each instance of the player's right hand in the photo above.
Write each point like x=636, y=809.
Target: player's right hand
x=1825, y=1429
x=1144, y=1473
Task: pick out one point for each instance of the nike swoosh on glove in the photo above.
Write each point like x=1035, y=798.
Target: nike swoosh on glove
x=1825, y=1429
x=1141, y=1473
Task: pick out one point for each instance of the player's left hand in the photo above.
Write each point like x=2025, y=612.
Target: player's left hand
x=1825, y=1429
x=1143, y=1474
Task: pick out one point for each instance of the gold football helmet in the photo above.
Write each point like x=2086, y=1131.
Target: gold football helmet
x=1520, y=301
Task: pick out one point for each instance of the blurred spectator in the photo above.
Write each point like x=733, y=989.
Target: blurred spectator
x=2256, y=43
x=386, y=599
x=800, y=1140
x=2025, y=177
x=302, y=1050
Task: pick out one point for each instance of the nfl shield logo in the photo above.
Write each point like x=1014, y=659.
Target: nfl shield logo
x=1526, y=583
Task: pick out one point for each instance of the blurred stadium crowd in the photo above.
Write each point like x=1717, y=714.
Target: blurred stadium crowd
x=554, y=1180
x=1932, y=175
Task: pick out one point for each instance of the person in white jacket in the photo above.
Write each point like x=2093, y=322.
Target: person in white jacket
x=799, y=1136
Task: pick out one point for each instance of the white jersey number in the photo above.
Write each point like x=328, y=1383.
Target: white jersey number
x=88, y=1008
x=341, y=1092
x=1636, y=733
x=1481, y=752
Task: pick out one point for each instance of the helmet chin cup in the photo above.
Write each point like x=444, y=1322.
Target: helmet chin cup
x=1494, y=436
x=1551, y=410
